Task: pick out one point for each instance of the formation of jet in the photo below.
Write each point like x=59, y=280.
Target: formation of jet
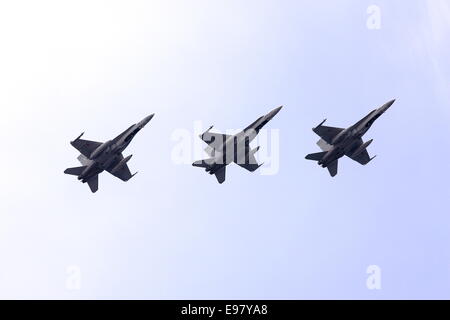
x=97, y=157
x=337, y=142
x=225, y=149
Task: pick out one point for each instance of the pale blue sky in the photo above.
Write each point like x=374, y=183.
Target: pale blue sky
x=173, y=232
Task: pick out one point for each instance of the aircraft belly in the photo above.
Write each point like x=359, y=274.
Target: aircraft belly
x=106, y=160
x=241, y=155
x=333, y=156
x=91, y=172
x=352, y=146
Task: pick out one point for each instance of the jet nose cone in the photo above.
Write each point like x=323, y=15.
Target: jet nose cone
x=150, y=117
x=147, y=119
x=274, y=112
x=388, y=105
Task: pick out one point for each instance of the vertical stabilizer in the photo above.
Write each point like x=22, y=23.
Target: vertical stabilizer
x=93, y=183
x=333, y=168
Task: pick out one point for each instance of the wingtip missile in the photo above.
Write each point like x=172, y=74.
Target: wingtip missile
x=253, y=151
x=320, y=124
x=370, y=160
x=79, y=136
x=207, y=131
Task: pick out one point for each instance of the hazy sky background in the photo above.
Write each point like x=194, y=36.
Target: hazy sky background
x=173, y=231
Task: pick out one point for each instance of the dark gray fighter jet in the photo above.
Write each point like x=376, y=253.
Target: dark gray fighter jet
x=224, y=149
x=97, y=157
x=337, y=142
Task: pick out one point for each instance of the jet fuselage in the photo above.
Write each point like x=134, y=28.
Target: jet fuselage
x=347, y=141
x=236, y=148
x=109, y=152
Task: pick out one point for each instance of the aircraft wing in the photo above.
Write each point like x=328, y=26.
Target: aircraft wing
x=363, y=157
x=251, y=165
x=327, y=133
x=214, y=140
x=123, y=173
x=85, y=147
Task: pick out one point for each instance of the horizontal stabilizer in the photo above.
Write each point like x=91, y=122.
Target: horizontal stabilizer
x=316, y=156
x=204, y=163
x=75, y=171
x=200, y=164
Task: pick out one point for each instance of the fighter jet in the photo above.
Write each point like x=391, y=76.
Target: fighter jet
x=97, y=157
x=224, y=149
x=337, y=142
